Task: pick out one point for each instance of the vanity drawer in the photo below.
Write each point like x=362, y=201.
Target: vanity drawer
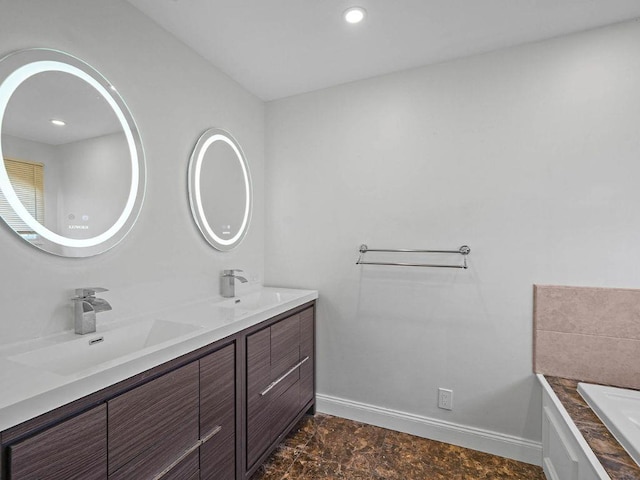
x=284, y=409
x=307, y=335
x=285, y=353
x=74, y=449
x=258, y=361
x=258, y=378
x=153, y=425
x=217, y=414
x=285, y=345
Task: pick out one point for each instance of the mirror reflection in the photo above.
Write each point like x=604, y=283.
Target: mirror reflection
x=223, y=199
x=220, y=189
x=66, y=156
x=73, y=177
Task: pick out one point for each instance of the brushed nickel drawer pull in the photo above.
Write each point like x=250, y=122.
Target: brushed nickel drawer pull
x=282, y=377
x=213, y=432
x=186, y=453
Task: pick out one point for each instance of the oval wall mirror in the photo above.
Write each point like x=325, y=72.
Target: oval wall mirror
x=220, y=191
x=74, y=173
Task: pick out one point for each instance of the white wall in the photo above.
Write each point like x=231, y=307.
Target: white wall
x=531, y=156
x=174, y=96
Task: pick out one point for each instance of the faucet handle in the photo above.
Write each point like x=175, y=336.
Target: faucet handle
x=89, y=291
x=229, y=273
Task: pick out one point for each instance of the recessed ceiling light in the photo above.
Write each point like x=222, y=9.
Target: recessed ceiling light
x=354, y=14
x=59, y=123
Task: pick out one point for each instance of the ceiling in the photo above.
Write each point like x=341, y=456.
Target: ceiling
x=58, y=95
x=279, y=48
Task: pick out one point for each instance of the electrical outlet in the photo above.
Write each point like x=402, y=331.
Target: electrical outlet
x=445, y=398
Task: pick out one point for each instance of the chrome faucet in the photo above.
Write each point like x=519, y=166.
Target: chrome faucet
x=86, y=305
x=228, y=284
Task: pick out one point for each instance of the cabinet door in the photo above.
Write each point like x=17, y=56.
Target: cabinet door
x=284, y=398
x=284, y=408
x=559, y=457
x=218, y=415
x=285, y=347
x=258, y=379
x=307, y=335
x=74, y=449
x=153, y=425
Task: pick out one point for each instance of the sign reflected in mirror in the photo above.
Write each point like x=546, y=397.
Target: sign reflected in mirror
x=74, y=172
x=220, y=191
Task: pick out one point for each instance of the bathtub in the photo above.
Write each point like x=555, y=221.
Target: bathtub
x=619, y=410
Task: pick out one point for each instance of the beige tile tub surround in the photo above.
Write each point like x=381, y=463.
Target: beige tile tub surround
x=588, y=334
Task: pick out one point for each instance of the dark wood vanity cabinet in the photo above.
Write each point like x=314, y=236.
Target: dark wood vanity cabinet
x=279, y=382
x=183, y=420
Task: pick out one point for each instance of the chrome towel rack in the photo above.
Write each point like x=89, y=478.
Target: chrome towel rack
x=463, y=250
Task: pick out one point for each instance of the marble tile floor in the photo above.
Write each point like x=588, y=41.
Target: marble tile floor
x=331, y=448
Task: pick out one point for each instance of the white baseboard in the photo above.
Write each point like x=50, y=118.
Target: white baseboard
x=507, y=446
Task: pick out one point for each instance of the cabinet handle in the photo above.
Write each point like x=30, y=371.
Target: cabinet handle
x=213, y=432
x=282, y=377
x=186, y=453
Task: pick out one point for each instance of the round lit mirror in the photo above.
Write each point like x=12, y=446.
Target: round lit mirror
x=220, y=189
x=73, y=175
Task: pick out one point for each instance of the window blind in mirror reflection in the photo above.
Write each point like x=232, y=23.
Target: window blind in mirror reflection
x=27, y=179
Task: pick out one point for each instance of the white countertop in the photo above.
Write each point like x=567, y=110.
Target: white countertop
x=29, y=391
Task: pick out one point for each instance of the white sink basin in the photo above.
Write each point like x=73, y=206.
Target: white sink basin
x=258, y=300
x=88, y=351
